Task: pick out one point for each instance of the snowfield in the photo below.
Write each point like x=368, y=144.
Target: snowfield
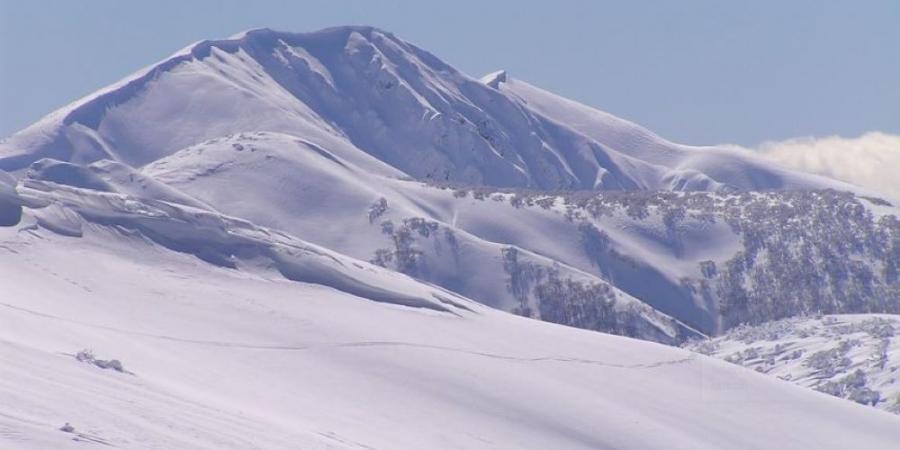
x=244, y=357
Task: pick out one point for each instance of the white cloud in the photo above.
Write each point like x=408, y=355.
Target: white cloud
x=871, y=161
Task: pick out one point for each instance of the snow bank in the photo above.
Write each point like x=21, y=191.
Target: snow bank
x=228, y=242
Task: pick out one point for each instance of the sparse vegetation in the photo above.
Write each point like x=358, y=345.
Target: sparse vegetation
x=801, y=252
x=87, y=356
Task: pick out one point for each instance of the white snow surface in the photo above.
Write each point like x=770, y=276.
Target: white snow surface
x=237, y=336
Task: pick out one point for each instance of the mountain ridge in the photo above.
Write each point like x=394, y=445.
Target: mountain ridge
x=360, y=90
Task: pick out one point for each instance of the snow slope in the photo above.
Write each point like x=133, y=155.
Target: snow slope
x=236, y=336
x=286, y=183
x=854, y=356
x=682, y=167
x=662, y=267
x=386, y=106
x=681, y=255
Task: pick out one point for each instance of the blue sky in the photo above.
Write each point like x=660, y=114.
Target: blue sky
x=694, y=71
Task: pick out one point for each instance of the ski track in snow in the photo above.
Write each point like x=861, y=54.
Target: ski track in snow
x=362, y=344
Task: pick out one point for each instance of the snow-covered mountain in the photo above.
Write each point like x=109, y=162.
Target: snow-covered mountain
x=388, y=107
x=139, y=323
x=294, y=240
x=658, y=266
x=318, y=134
x=683, y=254
x=856, y=357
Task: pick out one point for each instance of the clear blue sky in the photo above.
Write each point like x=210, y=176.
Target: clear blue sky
x=694, y=71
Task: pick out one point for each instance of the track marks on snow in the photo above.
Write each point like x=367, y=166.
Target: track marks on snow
x=359, y=344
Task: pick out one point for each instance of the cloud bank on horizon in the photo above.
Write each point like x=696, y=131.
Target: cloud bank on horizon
x=871, y=160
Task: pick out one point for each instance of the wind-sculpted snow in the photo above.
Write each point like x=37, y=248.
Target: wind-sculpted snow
x=388, y=107
x=109, y=176
x=226, y=242
x=10, y=204
x=856, y=357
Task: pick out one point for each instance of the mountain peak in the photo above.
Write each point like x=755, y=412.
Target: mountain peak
x=269, y=37
x=377, y=100
x=262, y=32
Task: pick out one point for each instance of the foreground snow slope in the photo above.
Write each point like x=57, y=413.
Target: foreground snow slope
x=233, y=350
x=853, y=356
x=386, y=106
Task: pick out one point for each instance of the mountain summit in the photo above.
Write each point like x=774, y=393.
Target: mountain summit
x=388, y=106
